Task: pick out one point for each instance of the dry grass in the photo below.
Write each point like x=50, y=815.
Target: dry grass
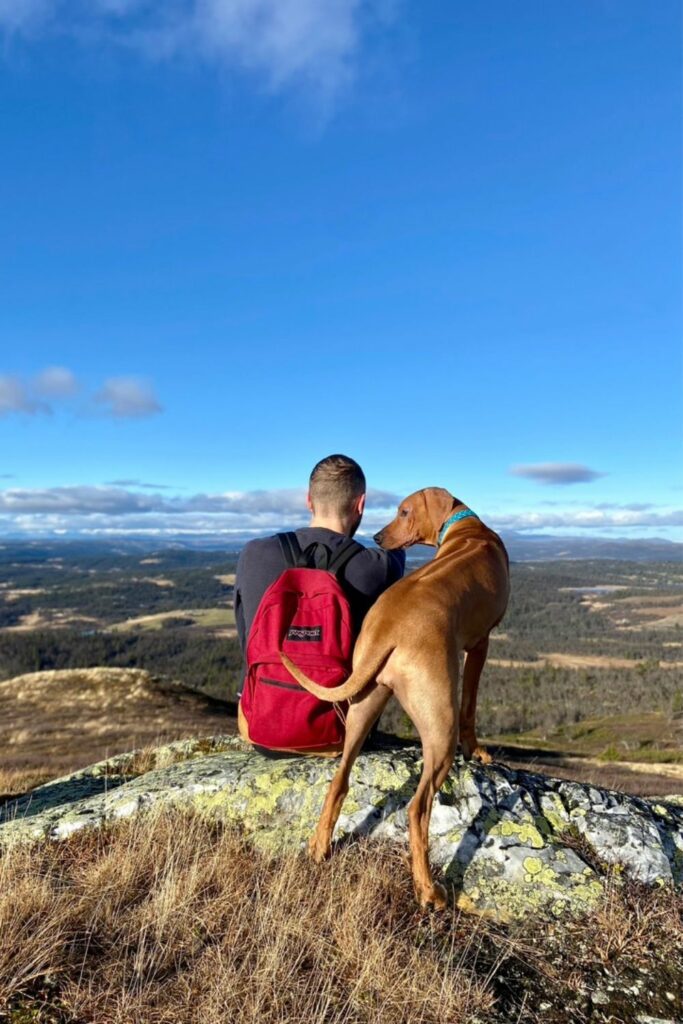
x=159, y=924
x=206, y=618
x=56, y=722
x=580, y=661
x=169, y=919
x=640, y=753
x=51, y=619
x=15, y=781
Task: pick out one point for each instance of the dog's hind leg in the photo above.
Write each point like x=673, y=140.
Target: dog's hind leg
x=436, y=719
x=362, y=715
x=475, y=659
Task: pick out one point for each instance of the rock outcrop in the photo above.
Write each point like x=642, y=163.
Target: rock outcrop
x=511, y=842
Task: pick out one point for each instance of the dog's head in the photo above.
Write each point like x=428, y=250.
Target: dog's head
x=419, y=518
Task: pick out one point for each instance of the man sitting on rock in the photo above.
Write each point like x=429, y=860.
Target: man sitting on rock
x=336, y=500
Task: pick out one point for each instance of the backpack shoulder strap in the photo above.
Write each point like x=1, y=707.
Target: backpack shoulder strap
x=291, y=549
x=316, y=556
x=344, y=553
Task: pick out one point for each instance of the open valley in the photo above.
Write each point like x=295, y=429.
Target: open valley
x=584, y=676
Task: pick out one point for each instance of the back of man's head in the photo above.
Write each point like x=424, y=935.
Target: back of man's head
x=336, y=484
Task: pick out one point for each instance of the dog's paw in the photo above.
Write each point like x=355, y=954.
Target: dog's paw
x=434, y=898
x=318, y=851
x=471, y=751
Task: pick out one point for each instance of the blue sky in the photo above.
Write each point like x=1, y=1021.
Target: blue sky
x=238, y=235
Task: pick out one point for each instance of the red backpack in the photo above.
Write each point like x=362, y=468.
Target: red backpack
x=306, y=614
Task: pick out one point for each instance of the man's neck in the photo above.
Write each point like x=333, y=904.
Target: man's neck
x=332, y=523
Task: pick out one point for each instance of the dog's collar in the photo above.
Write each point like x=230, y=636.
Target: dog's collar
x=464, y=513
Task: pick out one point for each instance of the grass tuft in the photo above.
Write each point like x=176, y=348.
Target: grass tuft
x=170, y=919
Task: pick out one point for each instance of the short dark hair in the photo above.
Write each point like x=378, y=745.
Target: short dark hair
x=335, y=483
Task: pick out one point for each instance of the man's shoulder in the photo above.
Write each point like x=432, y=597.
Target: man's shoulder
x=375, y=567
x=261, y=543
x=257, y=550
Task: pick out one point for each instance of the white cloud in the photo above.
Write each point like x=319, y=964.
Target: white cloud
x=590, y=518
x=557, y=473
x=284, y=39
x=108, y=510
x=80, y=501
x=56, y=382
x=88, y=500
x=138, y=483
x=383, y=499
x=314, y=42
x=119, y=397
x=127, y=398
x=15, y=397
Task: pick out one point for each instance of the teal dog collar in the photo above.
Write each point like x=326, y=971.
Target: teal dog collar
x=464, y=513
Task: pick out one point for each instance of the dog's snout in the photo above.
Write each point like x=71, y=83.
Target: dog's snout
x=378, y=538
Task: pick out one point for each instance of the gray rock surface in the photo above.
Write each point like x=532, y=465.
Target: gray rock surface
x=511, y=841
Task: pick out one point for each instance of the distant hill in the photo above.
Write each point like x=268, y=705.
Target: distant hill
x=522, y=547
x=55, y=722
x=538, y=547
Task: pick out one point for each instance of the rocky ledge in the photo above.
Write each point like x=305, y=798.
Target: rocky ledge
x=511, y=842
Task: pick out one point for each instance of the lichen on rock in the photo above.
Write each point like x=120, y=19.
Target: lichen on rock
x=500, y=836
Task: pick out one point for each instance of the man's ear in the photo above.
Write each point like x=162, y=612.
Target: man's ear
x=361, y=505
x=309, y=503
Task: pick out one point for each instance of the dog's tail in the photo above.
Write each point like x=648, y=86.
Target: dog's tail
x=356, y=682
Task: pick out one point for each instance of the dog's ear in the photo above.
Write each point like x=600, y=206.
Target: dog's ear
x=439, y=503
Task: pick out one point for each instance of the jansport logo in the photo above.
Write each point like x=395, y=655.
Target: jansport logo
x=308, y=634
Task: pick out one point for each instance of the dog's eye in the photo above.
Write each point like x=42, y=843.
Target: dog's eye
x=404, y=511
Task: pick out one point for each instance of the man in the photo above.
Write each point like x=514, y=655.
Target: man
x=336, y=500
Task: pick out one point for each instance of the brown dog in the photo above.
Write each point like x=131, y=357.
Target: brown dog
x=410, y=645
